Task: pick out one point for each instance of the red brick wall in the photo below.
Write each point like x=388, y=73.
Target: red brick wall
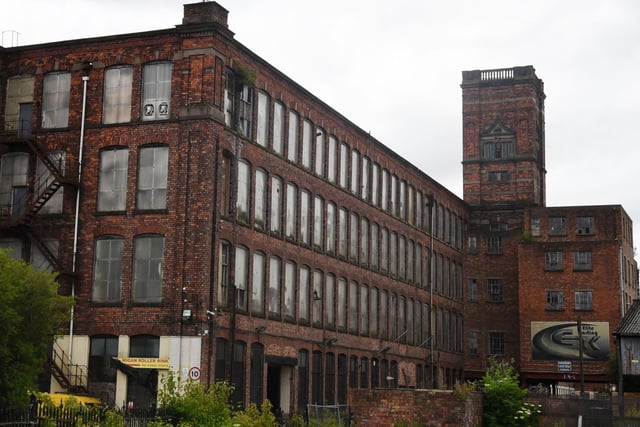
x=386, y=407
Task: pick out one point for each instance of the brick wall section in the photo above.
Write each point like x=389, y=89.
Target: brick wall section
x=385, y=407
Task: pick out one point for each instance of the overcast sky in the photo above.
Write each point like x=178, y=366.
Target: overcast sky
x=394, y=69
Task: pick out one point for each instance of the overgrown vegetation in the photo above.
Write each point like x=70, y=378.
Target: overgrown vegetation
x=31, y=311
x=503, y=399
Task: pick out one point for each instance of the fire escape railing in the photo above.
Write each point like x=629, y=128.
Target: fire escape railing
x=71, y=377
x=28, y=201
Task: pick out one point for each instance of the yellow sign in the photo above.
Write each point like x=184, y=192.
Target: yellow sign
x=145, y=362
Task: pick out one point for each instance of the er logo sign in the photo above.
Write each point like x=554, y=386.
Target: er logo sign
x=194, y=373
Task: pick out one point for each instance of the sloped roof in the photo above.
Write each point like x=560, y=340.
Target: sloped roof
x=630, y=323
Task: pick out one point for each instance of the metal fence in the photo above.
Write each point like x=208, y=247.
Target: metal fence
x=46, y=415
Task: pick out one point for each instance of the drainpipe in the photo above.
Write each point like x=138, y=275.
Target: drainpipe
x=432, y=277
x=85, y=79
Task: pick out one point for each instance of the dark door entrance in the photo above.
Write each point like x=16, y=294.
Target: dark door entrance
x=273, y=388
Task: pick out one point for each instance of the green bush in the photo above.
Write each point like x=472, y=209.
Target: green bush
x=503, y=399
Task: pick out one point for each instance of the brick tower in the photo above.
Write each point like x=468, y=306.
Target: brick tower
x=503, y=137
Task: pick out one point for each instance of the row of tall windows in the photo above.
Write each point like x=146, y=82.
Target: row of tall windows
x=268, y=286
x=147, y=269
x=284, y=210
x=151, y=191
x=495, y=343
x=553, y=260
x=117, y=96
x=323, y=378
x=301, y=141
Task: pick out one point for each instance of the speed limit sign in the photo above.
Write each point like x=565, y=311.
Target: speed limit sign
x=194, y=373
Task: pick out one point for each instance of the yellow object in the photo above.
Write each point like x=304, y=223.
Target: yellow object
x=65, y=399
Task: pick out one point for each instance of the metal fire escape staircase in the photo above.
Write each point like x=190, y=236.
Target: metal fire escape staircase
x=28, y=203
x=71, y=377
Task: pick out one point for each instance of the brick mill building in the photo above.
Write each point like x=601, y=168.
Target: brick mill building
x=214, y=218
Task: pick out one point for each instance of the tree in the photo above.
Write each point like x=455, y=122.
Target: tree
x=503, y=399
x=31, y=311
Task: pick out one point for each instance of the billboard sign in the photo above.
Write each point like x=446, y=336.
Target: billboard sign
x=561, y=341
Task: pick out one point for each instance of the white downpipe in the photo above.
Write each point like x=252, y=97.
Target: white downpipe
x=85, y=79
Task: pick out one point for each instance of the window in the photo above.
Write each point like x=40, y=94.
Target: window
x=374, y=245
x=156, y=91
x=496, y=343
x=317, y=297
x=373, y=302
x=101, y=367
x=498, y=150
x=473, y=343
x=344, y=165
x=342, y=304
x=353, y=307
x=318, y=206
x=355, y=163
x=555, y=300
x=332, y=159
x=354, y=225
x=260, y=201
x=148, y=253
x=112, y=186
x=303, y=295
x=364, y=310
x=256, y=373
x=223, y=274
x=342, y=232
x=117, y=95
x=276, y=206
x=364, y=181
x=494, y=245
x=262, y=132
x=241, y=277
x=275, y=285
x=557, y=225
x=242, y=199
x=245, y=110
x=553, y=260
x=494, y=288
x=331, y=228
x=364, y=241
x=292, y=149
x=307, y=129
x=498, y=176
x=257, y=283
x=19, y=94
x=289, y=290
x=292, y=200
x=107, y=269
x=473, y=290
x=585, y=225
x=582, y=260
x=278, y=128
x=303, y=380
x=472, y=244
x=305, y=212
x=152, y=178
x=329, y=379
x=55, y=100
x=330, y=297
x=375, y=184
x=535, y=226
x=583, y=300
x=319, y=153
